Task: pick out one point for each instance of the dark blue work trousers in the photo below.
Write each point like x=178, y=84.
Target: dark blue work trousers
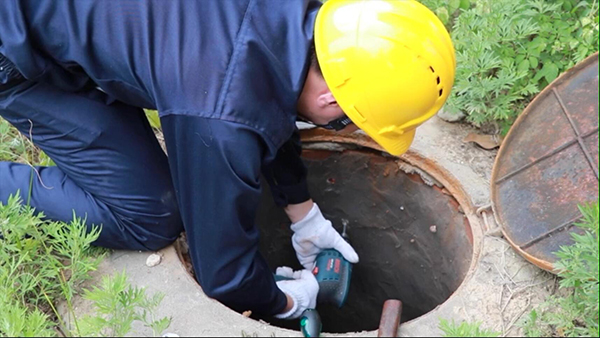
x=110, y=168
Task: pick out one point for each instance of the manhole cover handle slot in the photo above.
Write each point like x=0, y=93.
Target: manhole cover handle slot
x=491, y=228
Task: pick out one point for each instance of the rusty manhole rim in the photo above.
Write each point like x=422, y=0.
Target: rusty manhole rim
x=426, y=165
x=451, y=184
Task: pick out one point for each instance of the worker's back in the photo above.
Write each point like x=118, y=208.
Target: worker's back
x=207, y=58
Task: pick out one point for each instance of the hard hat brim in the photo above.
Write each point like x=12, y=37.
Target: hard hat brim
x=395, y=146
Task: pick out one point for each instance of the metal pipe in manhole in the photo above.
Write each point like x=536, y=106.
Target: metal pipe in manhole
x=414, y=240
x=390, y=318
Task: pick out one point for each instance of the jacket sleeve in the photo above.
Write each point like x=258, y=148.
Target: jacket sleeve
x=286, y=174
x=216, y=167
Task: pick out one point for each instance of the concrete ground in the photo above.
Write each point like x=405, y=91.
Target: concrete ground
x=500, y=288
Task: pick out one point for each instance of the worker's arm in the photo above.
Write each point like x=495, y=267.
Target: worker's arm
x=296, y=212
x=312, y=232
x=216, y=168
x=286, y=176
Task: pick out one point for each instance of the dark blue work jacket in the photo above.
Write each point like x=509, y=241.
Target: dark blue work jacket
x=239, y=61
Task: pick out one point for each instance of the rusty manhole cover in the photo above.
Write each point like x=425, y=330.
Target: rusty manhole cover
x=548, y=164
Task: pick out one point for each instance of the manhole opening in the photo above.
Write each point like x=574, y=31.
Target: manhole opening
x=414, y=242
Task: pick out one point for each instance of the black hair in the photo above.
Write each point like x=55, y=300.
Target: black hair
x=314, y=61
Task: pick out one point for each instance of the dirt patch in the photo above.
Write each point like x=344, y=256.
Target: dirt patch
x=504, y=289
x=450, y=138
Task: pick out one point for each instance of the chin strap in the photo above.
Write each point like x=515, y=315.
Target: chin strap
x=337, y=124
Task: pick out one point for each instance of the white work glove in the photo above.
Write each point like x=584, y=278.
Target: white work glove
x=303, y=290
x=314, y=234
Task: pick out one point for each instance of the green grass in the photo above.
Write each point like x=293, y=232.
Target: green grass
x=464, y=329
x=118, y=305
x=16, y=147
x=153, y=118
x=43, y=263
x=508, y=51
x=576, y=314
x=573, y=313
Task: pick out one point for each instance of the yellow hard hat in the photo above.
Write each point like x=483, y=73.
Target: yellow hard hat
x=389, y=64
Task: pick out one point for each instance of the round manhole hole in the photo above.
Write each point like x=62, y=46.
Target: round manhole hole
x=414, y=242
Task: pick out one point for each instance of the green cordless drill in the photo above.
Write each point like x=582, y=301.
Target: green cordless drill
x=310, y=323
x=333, y=273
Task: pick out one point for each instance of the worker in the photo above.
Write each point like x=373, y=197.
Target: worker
x=229, y=80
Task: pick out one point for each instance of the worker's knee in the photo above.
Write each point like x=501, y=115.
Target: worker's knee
x=222, y=293
x=213, y=293
x=155, y=244
x=154, y=223
x=9, y=75
x=220, y=287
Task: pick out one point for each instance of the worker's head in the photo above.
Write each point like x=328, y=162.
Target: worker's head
x=317, y=104
x=388, y=65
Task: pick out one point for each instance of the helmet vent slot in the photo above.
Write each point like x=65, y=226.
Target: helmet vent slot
x=437, y=79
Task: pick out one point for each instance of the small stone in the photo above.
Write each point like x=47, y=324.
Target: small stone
x=401, y=208
x=433, y=228
x=451, y=117
x=153, y=260
x=412, y=240
x=247, y=314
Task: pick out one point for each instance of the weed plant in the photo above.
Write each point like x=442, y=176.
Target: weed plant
x=16, y=147
x=464, y=329
x=574, y=315
x=43, y=262
x=118, y=305
x=508, y=51
x=40, y=263
x=153, y=118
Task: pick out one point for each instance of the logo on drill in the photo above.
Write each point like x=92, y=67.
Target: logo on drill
x=334, y=264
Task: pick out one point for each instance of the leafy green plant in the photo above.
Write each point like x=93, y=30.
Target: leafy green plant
x=43, y=262
x=568, y=34
x=447, y=10
x=507, y=51
x=40, y=262
x=15, y=147
x=118, y=305
x=486, y=39
x=574, y=315
x=16, y=320
x=465, y=329
x=153, y=118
